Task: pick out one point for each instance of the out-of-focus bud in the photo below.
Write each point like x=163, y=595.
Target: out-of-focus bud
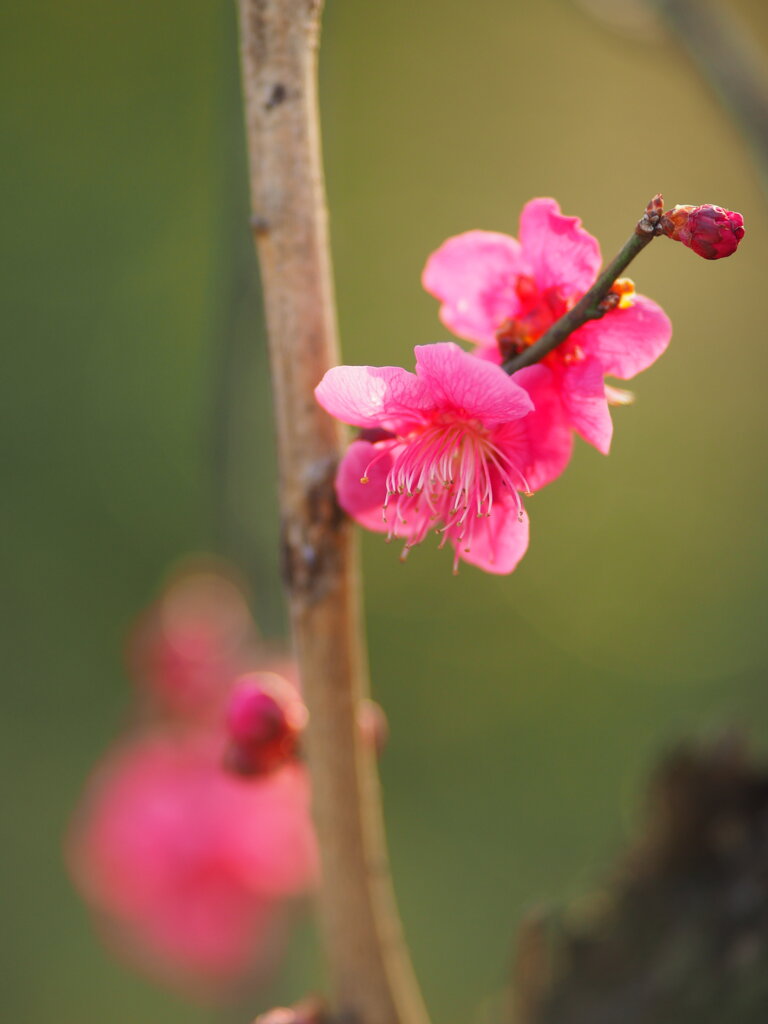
x=310, y=1011
x=710, y=231
x=191, y=643
x=373, y=725
x=265, y=717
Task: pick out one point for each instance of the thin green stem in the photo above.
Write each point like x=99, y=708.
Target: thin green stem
x=591, y=305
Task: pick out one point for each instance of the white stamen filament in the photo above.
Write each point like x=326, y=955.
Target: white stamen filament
x=454, y=469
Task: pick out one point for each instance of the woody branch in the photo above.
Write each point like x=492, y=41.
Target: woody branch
x=371, y=975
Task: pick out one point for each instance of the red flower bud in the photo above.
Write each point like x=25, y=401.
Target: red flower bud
x=710, y=231
x=265, y=716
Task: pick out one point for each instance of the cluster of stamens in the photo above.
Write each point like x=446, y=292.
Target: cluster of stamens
x=445, y=476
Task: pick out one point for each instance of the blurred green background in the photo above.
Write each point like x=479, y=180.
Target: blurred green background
x=526, y=710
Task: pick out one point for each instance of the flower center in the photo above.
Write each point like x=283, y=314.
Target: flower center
x=537, y=311
x=540, y=309
x=446, y=476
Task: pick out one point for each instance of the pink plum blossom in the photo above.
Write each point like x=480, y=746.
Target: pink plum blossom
x=503, y=294
x=446, y=448
x=186, y=864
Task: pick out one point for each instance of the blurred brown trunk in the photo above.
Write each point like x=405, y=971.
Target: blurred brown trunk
x=680, y=936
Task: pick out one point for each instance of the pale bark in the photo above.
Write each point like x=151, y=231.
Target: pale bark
x=371, y=976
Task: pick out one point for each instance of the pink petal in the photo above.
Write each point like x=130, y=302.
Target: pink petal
x=460, y=382
x=208, y=934
x=583, y=394
x=500, y=540
x=275, y=854
x=559, y=252
x=550, y=438
x=364, y=502
x=474, y=276
x=372, y=396
x=629, y=340
x=182, y=859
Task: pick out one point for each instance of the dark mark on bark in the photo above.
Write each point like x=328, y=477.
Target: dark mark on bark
x=278, y=95
x=310, y=547
x=259, y=224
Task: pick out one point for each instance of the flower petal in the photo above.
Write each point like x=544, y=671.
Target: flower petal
x=460, y=382
x=372, y=396
x=559, y=252
x=550, y=438
x=364, y=502
x=474, y=276
x=583, y=393
x=629, y=340
x=499, y=542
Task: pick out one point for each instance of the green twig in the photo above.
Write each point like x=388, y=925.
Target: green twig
x=590, y=306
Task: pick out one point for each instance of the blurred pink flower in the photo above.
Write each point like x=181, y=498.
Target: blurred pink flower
x=188, y=864
x=504, y=294
x=189, y=646
x=447, y=448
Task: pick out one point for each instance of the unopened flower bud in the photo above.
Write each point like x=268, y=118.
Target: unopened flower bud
x=265, y=717
x=710, y=231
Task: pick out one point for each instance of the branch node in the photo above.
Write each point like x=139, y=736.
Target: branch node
x=650, y=222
